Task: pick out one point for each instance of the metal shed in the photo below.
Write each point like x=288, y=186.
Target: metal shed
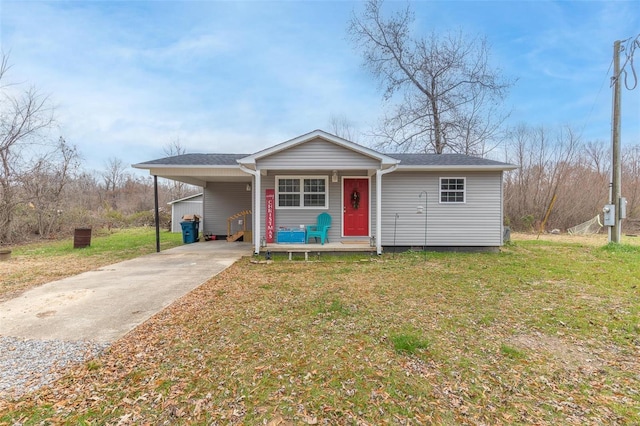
x=186, y=206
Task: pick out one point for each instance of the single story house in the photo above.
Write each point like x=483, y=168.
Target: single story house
x=402, y=200
x=191, y=205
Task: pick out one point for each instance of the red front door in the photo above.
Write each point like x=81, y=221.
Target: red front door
x=355, y=199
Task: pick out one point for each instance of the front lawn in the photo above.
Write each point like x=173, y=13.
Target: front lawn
x=540, y=333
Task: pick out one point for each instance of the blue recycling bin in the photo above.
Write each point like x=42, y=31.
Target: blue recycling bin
x=190, y=230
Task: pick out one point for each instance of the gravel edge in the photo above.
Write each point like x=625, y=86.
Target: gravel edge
x=26, y=365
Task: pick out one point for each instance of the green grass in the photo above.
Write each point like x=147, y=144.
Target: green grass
x=540, y=333
x=119, y=244
x=511, y=352
x=408, y=342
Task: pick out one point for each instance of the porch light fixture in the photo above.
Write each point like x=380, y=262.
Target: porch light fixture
x=334, y=176
x=248, y=187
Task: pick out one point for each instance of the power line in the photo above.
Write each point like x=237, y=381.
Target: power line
x=595, y=101
x=629, y=47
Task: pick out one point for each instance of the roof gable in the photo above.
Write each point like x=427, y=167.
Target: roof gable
x=308, y=137
x=190, y=197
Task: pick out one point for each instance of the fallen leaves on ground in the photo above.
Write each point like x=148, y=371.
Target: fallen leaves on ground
x=309, y=343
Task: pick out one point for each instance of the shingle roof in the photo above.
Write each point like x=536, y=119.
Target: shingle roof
x=406, y=160
x=198, y=160
x=443, y=160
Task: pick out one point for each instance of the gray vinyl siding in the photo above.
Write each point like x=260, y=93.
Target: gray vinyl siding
x=293, y=218
x=224, y=199
x=477, y=222
x=181, y=208
x=318, y=154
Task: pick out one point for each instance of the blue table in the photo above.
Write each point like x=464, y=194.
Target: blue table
x=291, y=236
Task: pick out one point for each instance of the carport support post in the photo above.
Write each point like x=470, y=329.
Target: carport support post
x=156, y=211
x=256, y=209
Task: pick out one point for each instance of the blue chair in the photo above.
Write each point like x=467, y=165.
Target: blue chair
x=321, y=229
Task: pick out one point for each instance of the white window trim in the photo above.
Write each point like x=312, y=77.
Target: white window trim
x=464, y=190
x=301, y=178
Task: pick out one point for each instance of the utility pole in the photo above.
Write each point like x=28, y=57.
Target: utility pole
x=616, y=178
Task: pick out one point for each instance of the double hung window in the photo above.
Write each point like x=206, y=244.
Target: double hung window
x=302, y=192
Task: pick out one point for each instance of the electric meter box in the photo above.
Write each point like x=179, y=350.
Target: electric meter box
x=623, y=208
x=609, y=215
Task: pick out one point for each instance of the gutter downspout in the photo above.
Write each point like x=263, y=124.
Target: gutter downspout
x=379, y=174
x=256, y=206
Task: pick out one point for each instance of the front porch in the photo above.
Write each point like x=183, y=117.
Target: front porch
x=313, y=249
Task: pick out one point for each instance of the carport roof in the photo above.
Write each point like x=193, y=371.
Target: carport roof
x=196, y=160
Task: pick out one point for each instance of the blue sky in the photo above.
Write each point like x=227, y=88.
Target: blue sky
x=128, y=77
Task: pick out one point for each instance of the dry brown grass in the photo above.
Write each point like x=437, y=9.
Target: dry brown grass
x=23, y=272
x=591, y=240
x=38, y=263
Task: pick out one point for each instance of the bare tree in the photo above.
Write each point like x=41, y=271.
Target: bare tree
x=113, y=176
x=177, y=189
x=137, y=194
x=24, y=119
x=45, y=184
x=342, y=127
x=480, y=128
x=450, y=96
x=114, y=173
x=631, y=182
x=174, y=147
x=552, y=165
x=86, y=190
x=598, y=156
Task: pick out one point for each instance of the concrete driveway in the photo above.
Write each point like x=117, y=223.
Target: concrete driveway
x=104, y=304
